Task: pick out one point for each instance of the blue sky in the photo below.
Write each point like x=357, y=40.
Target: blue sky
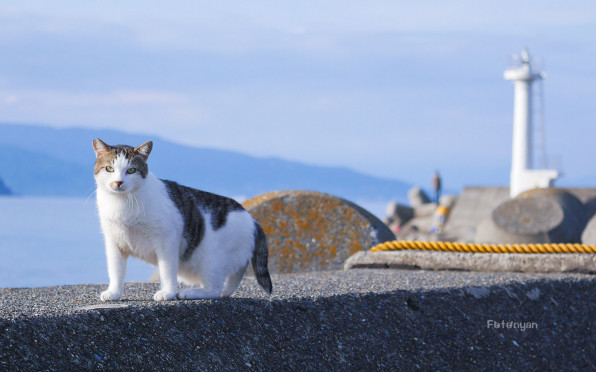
x=393, y=89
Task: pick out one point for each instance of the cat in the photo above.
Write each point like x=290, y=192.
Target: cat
x=195, y=237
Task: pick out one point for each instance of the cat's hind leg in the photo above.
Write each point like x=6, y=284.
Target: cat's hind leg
x=233, y=281
x=212, y=288
x=213, y=277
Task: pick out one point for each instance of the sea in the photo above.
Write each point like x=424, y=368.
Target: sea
x=49, y=241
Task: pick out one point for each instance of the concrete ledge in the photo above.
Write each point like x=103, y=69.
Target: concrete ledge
x=336, y=320
x=496, y=262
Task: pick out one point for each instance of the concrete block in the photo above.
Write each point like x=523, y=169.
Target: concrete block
x=310, y=231
x=535, y=216
x=417, y=197
x=474, y=205
x=589, y=233
x=425, y=210
x=400, y=212
x=497, y=262
x=448, y=201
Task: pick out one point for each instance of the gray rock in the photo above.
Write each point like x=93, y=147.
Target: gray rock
x=528, y=216
x=417, y=197
x=589, y=233
x=535, y=216
x=399, y=213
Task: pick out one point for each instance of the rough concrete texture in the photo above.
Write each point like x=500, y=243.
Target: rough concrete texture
x=309, y=231
x=374, y=320
x=535, y=216
x=496, y=262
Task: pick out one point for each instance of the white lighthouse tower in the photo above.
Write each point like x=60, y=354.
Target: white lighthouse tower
x=523, y=176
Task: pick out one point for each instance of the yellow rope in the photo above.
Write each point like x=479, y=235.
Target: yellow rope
x=484, y=248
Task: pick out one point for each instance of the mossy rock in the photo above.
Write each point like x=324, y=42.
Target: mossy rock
x=309, y=231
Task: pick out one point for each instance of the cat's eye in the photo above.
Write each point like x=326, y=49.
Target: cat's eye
x=109, y=169
x=131, y=170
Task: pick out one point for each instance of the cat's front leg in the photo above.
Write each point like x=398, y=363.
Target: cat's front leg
x=116, y=272
x=167, y=262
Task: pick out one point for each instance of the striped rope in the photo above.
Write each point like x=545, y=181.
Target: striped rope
x=484, y=248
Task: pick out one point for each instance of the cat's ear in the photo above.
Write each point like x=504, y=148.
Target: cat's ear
x=145, y=149
x=100, y=147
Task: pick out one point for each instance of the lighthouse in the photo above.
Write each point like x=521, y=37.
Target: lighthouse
x=523, y=176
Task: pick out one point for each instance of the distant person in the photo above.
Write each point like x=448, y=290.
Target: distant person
x=437, y=186
x=441, y=214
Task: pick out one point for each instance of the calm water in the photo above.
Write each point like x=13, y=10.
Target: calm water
x=56, y=241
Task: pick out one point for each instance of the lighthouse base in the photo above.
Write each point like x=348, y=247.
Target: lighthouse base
x=528, y=179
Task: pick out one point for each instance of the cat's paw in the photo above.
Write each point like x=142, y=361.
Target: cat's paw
x=110, y=296
x=164, y=295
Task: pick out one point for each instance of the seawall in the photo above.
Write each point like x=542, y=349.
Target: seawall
x=369, y=319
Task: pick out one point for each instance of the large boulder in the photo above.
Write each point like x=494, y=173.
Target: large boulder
x=309, y=231
x=536, y=216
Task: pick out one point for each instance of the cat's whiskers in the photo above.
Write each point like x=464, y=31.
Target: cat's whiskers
x=93, y=192
x=130, y=202
x=140, y=207
x=134, y=205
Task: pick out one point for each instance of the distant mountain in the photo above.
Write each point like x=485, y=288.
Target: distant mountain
x=4, y=190
x=43, y=161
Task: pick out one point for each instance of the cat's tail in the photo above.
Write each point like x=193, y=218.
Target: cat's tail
x=260, y=257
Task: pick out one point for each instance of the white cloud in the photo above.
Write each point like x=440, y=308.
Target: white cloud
x=72, y=99
x=343, y=82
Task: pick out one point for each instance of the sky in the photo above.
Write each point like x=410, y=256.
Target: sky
x=389, y=88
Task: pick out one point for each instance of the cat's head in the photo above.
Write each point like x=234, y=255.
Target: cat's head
x=120, y=169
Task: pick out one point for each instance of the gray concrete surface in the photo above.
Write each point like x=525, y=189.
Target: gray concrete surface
x=374, y=320
x=475, y=205
x=496, y=262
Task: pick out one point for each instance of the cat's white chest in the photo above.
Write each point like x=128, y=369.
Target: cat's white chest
x=134, y=239
x=135, y=224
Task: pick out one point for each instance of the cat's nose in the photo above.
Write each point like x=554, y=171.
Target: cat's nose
x=118, y=183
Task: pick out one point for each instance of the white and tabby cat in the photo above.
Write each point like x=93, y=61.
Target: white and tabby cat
x=201, y=239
